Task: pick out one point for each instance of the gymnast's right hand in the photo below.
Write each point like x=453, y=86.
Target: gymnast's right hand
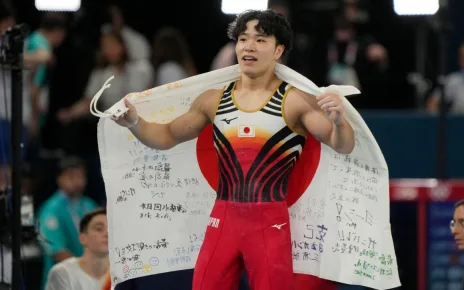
x=130, y=118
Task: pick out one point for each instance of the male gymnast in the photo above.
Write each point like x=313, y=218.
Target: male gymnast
x=260, y=125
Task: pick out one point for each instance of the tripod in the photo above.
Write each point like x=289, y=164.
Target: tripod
x=12, y=58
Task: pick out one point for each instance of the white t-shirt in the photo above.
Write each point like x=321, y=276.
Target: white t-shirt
x=137, y=45
x=137, y=76
x=169, y=72
x=454, y=92
x=68, y=275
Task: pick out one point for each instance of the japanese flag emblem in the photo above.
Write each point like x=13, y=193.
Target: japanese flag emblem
x=245, y=131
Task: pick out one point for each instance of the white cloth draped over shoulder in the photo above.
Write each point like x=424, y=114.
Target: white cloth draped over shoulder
x=159, y=201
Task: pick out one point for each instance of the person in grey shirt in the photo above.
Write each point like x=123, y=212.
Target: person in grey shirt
x=90, y=271
x=172, y=60
x=130, y=77
x=453, y=90
x=138, y=47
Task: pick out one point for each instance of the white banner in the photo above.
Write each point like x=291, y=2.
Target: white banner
x=159, y=201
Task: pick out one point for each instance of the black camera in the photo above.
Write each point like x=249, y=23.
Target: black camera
x=13, y=44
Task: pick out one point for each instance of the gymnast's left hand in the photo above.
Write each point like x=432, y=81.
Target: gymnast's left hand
x=332, y=105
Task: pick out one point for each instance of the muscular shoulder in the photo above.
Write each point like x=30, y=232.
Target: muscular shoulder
x=297, y=104
x=207, y=102
x=298, y=101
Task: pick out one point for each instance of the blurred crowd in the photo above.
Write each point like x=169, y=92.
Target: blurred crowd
x=65, y=182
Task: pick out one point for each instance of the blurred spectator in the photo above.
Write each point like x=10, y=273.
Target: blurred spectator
x=50, y=35
x=130, y=76
x=60, y=215
x=453, y=90
x=88, y=272
x=343, y=52
x=171, y=57
x=354, y=13
x=346, y=52
x=457, y=224
x=137, y=45
x=360, y=62
x=225, y=57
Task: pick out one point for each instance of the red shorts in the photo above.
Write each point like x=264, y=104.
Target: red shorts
x=251, y=235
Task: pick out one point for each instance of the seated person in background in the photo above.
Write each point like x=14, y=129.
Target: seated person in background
x=90, y=271
x=60, y=215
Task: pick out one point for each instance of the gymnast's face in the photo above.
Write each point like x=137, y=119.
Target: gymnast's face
x=112, y=49
x=257, y=53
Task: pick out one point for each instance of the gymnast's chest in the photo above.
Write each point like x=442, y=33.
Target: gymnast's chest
x=241, y=137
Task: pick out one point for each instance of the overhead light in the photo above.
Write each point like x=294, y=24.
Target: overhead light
x=416, y=7
x=58, y=5
x=238, y=6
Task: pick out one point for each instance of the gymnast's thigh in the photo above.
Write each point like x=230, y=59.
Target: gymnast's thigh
x=219, y=264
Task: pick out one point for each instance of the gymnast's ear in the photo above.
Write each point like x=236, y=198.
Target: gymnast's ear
x=279, y=51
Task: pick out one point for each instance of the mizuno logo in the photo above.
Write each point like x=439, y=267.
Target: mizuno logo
x=279, y=226
x=214, y=222
x=228, y=121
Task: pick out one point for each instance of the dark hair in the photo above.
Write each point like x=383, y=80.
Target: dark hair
x=87, y=219
x=270, y=23
x=53, y=21
x=170, y=45
x=118, y=37
x=70, y=162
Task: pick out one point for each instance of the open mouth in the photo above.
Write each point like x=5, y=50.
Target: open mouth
x=249, y=59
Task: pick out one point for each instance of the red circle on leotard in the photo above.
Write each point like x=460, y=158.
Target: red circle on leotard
x=300, y=178
x=246, y=130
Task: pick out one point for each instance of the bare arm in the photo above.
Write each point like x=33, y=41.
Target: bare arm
x=324, y=118
x=81, y=108
x=184, y=128
x=40, y=56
